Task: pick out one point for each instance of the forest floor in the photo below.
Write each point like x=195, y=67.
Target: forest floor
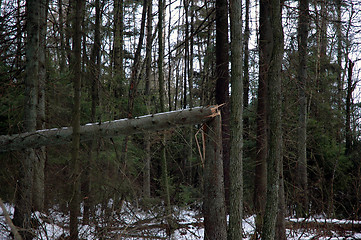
x=133, y=223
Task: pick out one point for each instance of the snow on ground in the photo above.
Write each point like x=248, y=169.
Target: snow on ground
x=133, y=223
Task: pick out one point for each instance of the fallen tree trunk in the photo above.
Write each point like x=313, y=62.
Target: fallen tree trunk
x=109, y=129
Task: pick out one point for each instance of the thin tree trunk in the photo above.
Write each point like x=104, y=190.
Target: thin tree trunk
x=95, y=62
x=265, y=51
x=118, y=52
x=186, y=53
x=19, y=30
x=190, y=87
x=136, y=64
x=246, y=74
x=148, y=72
x=214, y=208
x=62, y=56
x=170, y=58
x=281, y=224
x=39, y=166
x=74, y=206
x=23, y=202
x=339, y=60
x=303, y=24
x=236, y=154
x=164, y=165
x=222, y=83
x=274, y=114
x=349, y=90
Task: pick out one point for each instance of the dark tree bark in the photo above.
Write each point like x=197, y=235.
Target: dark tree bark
x=95, y=68
x=39, y=166
x=246, y=74
x=23, y=202
x=62, y=56
x=170, y=58
x=303, y=24
x=74, y=206
x=136, y=64
x=186, y=52
x=164, y=164
x=118, y=51
x=265, y=52
x=274, y=113
x=222, y=84
x=349, y=91
x=214, y=209
x=236, y=126
x=280, y=223
x=148, y=75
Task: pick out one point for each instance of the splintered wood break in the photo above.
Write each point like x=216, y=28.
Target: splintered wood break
x=215, y=111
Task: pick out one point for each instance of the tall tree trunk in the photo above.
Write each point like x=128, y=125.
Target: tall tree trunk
x=19, y=31
x=303, y=24
x=339, y=60
x=349, y=90
x=134, y=78
x=148, y=75
x=274, y=112
x=265, y=51
x=95, y=63
x=38, y=191
x=164, y=166
x=236, y=161
x=246, y=73
x=62, y=56
x=23, y=202
x=214, y=208
x=136, y=64
x=222, y=84
x=186, y=53
x=190, y=87
x=77, y=16
x=280, y=223
x=118, y=52
x=170, y=58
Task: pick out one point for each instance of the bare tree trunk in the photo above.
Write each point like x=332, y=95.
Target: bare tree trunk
x=274, y=113
x=62, y=56
x=170, y=58
x=146, y=172
x=246, y=73
x=236, y=123
x=118, y=52
x=23, y=202
x=134, y=80
x=39, y=166
x=214, y=209
x=280, y=223
x=349, y=91
x=74, y=206
x=164, y=165
x=149, y=123
x=95, y=64
x=303, y=24
x=222, y=84
x=136, y=64
x=265, y=51
x=19, y=31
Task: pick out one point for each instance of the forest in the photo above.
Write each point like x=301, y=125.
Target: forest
x=118, y=116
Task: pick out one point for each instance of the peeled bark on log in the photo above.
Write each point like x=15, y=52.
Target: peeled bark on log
x=109, y=129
